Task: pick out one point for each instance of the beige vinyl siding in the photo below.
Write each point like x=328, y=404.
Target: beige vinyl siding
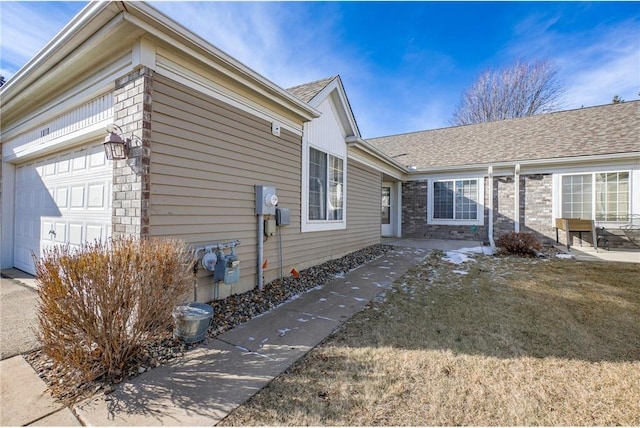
x=206, y=158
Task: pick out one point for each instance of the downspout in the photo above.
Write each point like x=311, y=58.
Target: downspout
x=516, y=204
x=490, y=231
x=260, y=251
x=399, y=209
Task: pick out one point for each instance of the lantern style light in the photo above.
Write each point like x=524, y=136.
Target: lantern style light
x=115, y=148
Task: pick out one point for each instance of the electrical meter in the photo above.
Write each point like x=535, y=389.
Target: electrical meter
x=266, y=200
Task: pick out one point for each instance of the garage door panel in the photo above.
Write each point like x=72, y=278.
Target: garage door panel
x=69, y=194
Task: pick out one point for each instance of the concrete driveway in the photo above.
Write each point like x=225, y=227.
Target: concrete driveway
x=18, y=318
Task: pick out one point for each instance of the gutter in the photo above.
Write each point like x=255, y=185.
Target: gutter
x=136, y=12
x=357, y=142
x=533, y=162
x=25, y=75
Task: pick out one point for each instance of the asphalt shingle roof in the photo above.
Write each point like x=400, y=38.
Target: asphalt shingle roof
x=608, y=129
x=307, y=91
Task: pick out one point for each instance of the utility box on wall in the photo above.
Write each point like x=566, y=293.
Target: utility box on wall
x=266, y=200
x=283, y=217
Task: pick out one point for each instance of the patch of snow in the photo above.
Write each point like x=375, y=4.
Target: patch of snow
x=564, y=256
x=282, y=332
x=355, y=288
x=460, y=272
x=462, y=255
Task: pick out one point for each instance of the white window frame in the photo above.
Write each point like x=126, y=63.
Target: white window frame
x=478, y=221
x=559, y=192
x=321, y=225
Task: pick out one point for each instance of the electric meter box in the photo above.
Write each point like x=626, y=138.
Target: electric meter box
x=266, y=200
x=283, y=217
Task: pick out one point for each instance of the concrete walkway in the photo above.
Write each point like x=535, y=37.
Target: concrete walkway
x=219, y=375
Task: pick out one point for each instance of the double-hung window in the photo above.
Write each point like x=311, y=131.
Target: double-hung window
x=325, y=196
x=455, y=201
x=602, y=195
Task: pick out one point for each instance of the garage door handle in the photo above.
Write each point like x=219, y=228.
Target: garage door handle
x=52, y=232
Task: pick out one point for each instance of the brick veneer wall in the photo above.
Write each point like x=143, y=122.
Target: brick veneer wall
x=414, y=217
x=535, y=210
x=535, y=214
x=132, y=112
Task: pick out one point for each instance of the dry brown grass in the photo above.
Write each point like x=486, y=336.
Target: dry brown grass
x=513, y=342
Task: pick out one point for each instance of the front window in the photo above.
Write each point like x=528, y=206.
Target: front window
x=326, y=186
x=455, y=200
x=601, y=196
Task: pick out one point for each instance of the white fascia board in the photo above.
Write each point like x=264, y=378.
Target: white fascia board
x=170, y=32
x=59, y=47
x=368, y=162
x=83, y=92
x=363, y=145
x=189, y=78
x=336, y=91
x=537, y=166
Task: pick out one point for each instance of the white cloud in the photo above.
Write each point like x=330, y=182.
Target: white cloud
x=274, y=39
x=609, y=66
x=26, y=27
x=595, y=64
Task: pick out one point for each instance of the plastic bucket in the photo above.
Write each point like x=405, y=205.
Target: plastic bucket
x=192, y=321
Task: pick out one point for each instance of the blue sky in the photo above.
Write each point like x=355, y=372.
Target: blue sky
x=404, y=64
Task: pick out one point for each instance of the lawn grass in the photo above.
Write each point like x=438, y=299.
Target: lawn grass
x=510, y=342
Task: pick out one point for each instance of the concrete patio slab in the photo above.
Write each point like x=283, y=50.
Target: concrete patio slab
x=24, y=398
x=590, y=254
x=18, y=318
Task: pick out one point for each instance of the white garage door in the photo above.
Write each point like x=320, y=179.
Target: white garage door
x=63, y=198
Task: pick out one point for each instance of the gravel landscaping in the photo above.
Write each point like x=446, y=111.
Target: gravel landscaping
x=228, y=313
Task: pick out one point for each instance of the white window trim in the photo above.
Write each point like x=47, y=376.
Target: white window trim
x=320, y=225
x=634, y=176
x=479, y=221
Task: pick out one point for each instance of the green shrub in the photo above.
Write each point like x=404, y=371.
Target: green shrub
x=518, y=244
x=101, y=303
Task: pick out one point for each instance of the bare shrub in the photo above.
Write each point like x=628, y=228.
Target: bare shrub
x=518, y=244
x=99, y=304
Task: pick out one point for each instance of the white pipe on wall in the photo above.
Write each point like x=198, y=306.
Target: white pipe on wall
x=516, y=204
x=490, y=231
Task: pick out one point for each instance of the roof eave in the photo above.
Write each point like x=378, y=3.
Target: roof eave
x=363, y=145
x=261, y=84
x=527, y=162
x=98, y=14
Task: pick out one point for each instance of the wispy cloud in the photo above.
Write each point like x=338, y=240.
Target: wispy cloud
x=408, y=81
x=595, y=63
x=275, y=39
x=27, y=27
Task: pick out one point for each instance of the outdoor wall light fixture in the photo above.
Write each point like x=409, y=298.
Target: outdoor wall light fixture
x=115, y=147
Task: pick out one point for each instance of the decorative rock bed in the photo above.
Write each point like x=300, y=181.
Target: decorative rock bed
x=228, y=313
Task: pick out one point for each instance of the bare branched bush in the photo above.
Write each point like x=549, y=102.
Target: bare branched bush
x=518, y=244
x=101, y=303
